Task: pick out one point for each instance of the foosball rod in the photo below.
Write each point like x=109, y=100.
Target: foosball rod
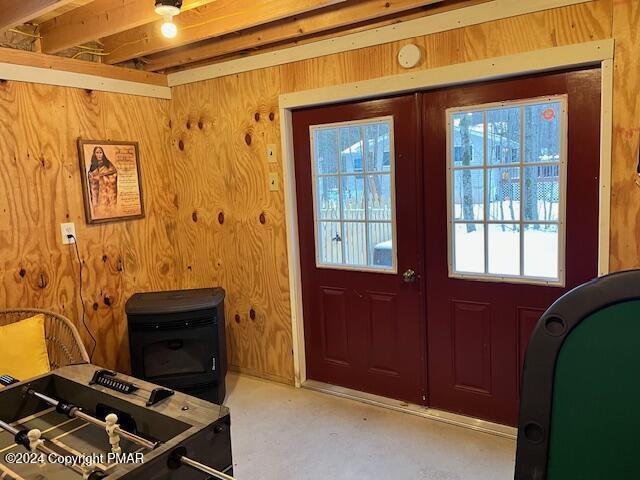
x=44, y=449
x=74, y=411
x=205, y=469
x=178, y=457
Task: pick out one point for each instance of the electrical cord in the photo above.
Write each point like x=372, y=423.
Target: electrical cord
x=84, y=310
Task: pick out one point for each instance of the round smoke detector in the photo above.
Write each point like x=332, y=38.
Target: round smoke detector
x=409, y=56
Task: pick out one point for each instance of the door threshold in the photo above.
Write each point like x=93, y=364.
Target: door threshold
x=413, y=409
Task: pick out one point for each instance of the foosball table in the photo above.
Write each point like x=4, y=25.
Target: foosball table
x=86, y=423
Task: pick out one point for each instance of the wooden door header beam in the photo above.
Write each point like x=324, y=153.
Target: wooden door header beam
x=98, y=19
x=13, y=13
x=212, y=20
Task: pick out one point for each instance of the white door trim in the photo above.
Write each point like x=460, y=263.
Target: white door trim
x=557, y=58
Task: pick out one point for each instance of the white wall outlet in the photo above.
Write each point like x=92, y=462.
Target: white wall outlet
x=272, y=153
x=274, y=182
x=67, y=229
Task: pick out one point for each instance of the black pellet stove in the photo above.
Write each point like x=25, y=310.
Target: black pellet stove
x=177, y=340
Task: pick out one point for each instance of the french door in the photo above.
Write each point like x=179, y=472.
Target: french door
x=518, y=235
x=435, y=228
x=358, y=191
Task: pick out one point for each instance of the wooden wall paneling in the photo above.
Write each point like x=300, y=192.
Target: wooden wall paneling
x=550, y=28
x=150, y=254
x=200, y=185
x=219, y=143
x=102, y=285
x=30, y=181
x=625, y=198
x=439, y=49
x=41, y=175
x=257, y=272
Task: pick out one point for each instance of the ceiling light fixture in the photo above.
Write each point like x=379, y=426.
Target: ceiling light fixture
x=168, y=9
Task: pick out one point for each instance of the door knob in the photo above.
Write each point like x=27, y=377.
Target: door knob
x=409, y=276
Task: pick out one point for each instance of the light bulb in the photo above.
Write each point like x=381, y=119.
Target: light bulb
x=169, y=28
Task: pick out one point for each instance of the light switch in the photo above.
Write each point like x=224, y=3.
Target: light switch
x=274, y=182
x=272, y=153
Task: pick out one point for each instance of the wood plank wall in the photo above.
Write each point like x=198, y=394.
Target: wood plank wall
x=211, y=219
x=40, y=185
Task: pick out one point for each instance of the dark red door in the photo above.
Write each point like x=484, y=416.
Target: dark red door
x=478, y=328
x=364, y=324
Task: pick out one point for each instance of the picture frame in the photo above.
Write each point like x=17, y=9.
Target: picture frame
x=111, y=180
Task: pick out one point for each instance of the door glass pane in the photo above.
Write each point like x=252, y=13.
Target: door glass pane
x=328, y=203
x=326, y=151
x=503, y=194
x=541, y=193
x=468, y=138
x=541, y=245
x=379, y=197
x=504, y=249
x=507, y=181
x=468, y=192
x=381, y=245
x=378, y=151
x=503, y=136
x=542, y=132
x=330, y=242
x=351, y=149
x=469, y=247
x=353, y=197
x=355, y=243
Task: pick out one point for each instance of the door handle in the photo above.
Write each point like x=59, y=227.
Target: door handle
x=409, y=276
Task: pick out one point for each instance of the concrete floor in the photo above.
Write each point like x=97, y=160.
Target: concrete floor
x=282, y=433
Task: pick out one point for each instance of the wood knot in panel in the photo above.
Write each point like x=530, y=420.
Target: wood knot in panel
x=95, y=306
x=252, y=314
x=272, y=116
x=107, y=301
x=181, y=145
x=248, y=139
x=257, y=116
x=194, y=216
x=43, y=280
x=22, y=272
x=221, y=218
x=263, y=218
x=200, y=124
x=237, y=318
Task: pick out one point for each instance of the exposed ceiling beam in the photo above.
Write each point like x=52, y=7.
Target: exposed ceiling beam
x=12, y=56
x=212, y=20
x=14, y=13
x=290, y=29
x=98, y=19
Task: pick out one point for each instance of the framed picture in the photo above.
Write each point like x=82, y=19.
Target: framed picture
x=111, y=183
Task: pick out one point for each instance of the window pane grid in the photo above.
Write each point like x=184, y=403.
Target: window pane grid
x=364, y=209
x=525, y=196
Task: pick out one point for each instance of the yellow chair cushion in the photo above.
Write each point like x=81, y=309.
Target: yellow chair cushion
x=23, y=349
